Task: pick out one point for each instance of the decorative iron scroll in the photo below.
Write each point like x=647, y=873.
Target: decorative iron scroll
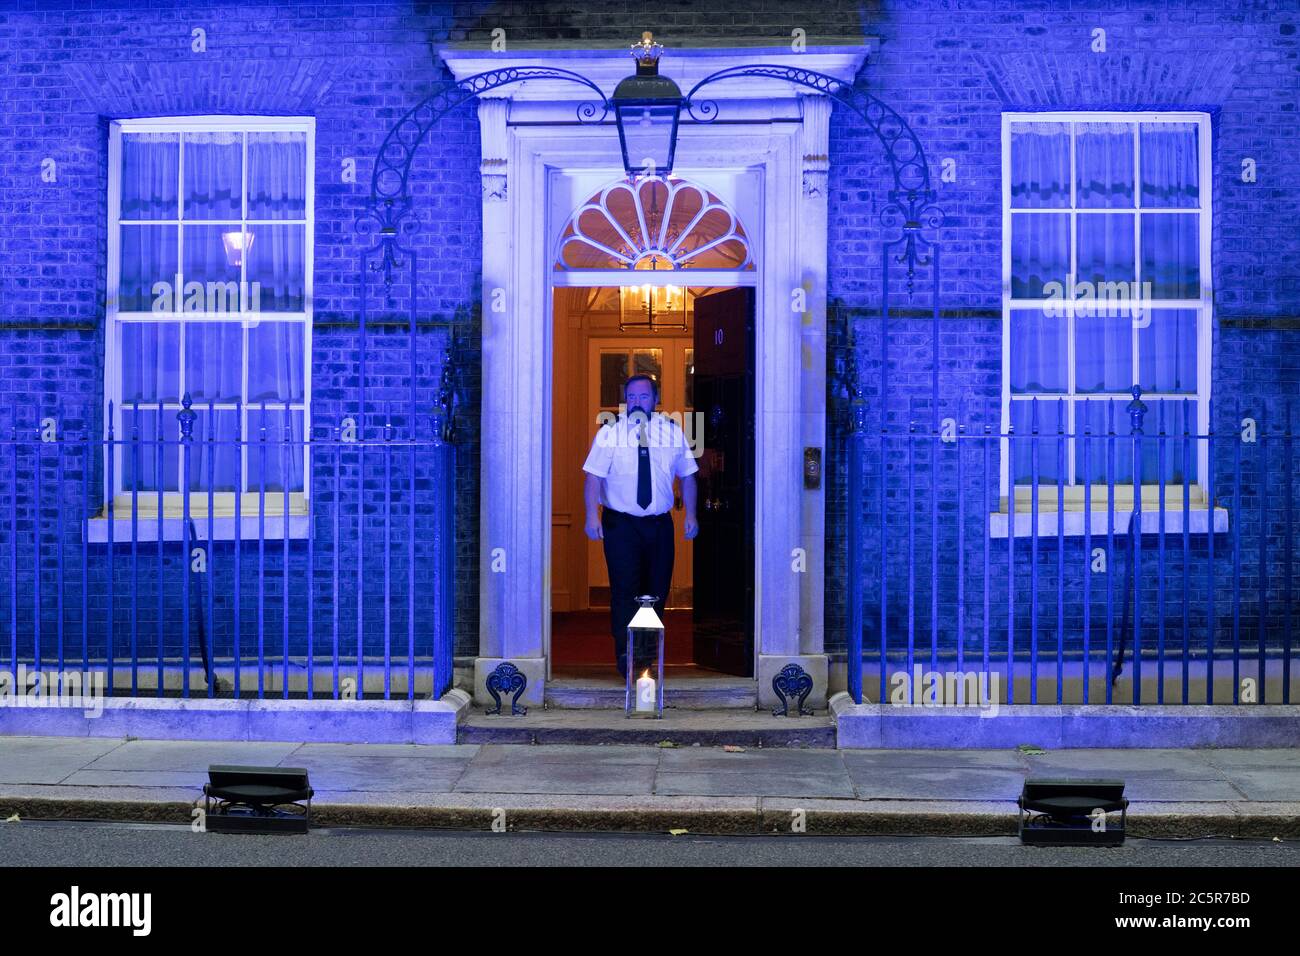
x=911, y=204
x=792, y=681
x=507, y=679
x=390, y=201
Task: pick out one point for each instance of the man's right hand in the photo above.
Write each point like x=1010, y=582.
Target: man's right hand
x=594, y=531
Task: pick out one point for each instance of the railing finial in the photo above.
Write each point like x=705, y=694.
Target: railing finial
x=1136, y=409
x=186, y=417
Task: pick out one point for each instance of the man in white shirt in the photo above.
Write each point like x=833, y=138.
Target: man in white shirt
x=630, y=471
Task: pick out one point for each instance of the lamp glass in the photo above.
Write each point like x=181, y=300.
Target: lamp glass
x=649, y=134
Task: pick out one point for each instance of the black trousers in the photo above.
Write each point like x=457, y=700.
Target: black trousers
x=639, y=555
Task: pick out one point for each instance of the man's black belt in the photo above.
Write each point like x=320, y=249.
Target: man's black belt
x=624, y=514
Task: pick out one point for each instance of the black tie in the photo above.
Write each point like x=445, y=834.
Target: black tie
x=643, y=472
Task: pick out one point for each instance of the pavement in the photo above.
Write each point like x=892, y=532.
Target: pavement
x=1251, y=794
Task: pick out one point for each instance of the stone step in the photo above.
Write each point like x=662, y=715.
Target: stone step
x=696, y=693
x=708, y=728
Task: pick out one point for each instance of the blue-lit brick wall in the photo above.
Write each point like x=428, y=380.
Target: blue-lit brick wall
x=71, y=68
x=949, y=68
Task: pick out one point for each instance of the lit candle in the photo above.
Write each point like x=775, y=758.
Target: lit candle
x=645, y=692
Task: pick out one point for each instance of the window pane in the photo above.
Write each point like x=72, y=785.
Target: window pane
x=1094, y=421
x=654, y=225
x=1170, y=168
x=1040, y=252
x=213, y=175
x=1039, y=346
x=211, y=281
x=1047, y=417
x=144, y=457
x=277, y=175
x=1106, y=251
x=649, y=362
x=148, y=269
x=1104, y=160
x=277, y=264
x=646, y=131
x=280, y=455
x=214, y=456
x=275, y=362
x=613, y=373
x=1092, y=454
x=1170, y=255
x=214, y=361
x=150, y=362
x=1167, y=352
x=1040, y=165
x=1171, y=417
x=1103, y=353
x=150, y=174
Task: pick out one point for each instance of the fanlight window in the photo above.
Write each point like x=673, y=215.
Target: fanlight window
x=655, y=224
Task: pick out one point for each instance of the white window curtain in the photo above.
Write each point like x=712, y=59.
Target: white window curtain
x=1109, y=226
x=181, y=193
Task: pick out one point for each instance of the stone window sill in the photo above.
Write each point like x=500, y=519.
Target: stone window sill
x=1198, y=521
x=270, y=525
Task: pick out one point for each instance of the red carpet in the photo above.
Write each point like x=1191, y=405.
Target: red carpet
x=582, y=637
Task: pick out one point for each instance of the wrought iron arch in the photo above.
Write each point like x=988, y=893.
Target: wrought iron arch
x=389, y=197
x=912, y=200
x=388, y=210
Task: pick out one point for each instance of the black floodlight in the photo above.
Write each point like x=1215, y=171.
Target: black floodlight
x=257, y=799
x=1072, y=812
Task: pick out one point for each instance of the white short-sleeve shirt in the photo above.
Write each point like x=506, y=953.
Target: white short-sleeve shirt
x=614, y=458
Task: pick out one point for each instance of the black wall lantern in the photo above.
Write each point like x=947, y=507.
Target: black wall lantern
x=647, y=107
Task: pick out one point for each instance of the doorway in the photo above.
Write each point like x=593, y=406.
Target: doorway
x=602, y=335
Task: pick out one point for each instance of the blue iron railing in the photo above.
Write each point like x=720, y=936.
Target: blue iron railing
x=1133, y=584
x=329, y=573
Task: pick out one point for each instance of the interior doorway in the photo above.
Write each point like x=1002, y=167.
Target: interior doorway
x=603, y=335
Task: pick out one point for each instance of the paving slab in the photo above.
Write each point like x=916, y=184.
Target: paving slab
x=934, y=783
x=559, y=778
x=35, y=760
x=396, y=774
x=1121, y=761
x=428, y=751
x=763, y=783
x=1252, y=759
x=947, y=759
x=191, y=754
x=88, y=747
x=767, y=760
x=191, y=780
x=1266, y=784
x=34, y=768
x=1159, y=788
x=496, y=755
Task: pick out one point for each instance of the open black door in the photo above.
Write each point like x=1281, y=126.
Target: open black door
x=723, y=587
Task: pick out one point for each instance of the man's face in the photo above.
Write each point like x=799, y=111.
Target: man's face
x=640, y=395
